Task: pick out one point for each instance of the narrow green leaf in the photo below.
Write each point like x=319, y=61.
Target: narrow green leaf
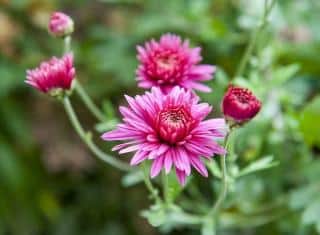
x=214, y=168
x=309, y=124
x=261, y=164
x=132, y=178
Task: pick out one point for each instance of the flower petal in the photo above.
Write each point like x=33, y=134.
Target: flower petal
x=156, y=166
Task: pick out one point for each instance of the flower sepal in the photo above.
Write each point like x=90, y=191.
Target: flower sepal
x=60, y=93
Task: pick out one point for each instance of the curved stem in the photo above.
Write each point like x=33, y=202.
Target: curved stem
x=88, y=102
x=87, y=138
x=254, y=38
x=149, y=185
x=214, y=210
x=81, y=92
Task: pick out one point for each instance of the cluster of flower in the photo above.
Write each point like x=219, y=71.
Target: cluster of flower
x=166, y=124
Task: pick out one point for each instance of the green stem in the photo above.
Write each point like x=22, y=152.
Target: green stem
x=165, y=183
x=254, y=38
x=88, y=102
x=87, y=138
x=81, y=92
x=216, y=207
x=187, y=218
x=67, y=44
x=149, y=185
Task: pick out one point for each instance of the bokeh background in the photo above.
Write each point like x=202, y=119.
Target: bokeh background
x=50, y=184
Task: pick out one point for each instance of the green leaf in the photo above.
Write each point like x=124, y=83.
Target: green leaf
x=214, y=168
x=132, y=178
x=301, y=197
x=176, y=217
x=106, y=126
x=156, y=215
x=309, y=122
x=311, y=214
x=261, y=164
x=284, y=73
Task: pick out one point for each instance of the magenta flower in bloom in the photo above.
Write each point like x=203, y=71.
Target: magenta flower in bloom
x=171, y=62
x=60, y=24
x=240, y=104
x=168, y=129
x=55, y=74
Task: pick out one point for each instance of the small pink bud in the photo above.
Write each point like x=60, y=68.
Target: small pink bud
x=60, y=24
x=54, y=76
x=240, y=104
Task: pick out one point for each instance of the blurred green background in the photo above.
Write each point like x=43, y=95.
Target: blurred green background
x=51, y=184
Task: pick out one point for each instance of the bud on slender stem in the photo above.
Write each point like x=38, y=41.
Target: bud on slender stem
x=239, y=105
x=60, y=24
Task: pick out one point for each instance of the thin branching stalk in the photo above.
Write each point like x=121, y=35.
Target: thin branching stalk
x=87, y=138
x=67, y=44
x=88, y=102
x=81, y=91
x=254, y=38
x=154, y=192
x=165, y=182
x=222, y=195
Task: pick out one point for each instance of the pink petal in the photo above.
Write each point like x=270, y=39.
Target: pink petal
x=138, y=157
x=120, y=135
x=130, y=149
x=156, y=166
x=183, y=158
x=181, y=175
x=197, y=86
x=120, y=146
x=199, y=165
x=167, y=162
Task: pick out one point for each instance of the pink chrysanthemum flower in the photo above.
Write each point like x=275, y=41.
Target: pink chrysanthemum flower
x=54, y=75
x=60, y=24
x=168, y=129
x=171, y=62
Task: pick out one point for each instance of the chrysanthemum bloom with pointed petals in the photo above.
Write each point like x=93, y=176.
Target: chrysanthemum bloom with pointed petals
x=170, y=130
x=54, y=75
x=60, y=24
x=240, y=104
x=171, y=62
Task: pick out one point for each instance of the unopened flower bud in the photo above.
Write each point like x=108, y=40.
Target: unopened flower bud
x=239, y=105
x=60, y=24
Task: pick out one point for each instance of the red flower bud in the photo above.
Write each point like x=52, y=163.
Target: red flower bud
x=240, y=104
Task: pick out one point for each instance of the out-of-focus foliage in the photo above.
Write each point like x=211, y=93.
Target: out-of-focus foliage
x=50, y=184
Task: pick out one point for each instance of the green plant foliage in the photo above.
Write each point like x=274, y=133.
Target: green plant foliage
x=308, y=124
x=51, y=184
